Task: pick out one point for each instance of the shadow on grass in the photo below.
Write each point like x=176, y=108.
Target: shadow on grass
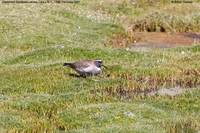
x=73, y=75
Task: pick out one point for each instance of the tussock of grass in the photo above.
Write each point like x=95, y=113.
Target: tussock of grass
x=164, y=22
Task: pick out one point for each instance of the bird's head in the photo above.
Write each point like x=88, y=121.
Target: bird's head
x=99, y=63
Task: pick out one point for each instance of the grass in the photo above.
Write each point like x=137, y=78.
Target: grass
x=37, y=94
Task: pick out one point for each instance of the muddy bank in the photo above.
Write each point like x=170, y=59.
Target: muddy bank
x=148, y=40
x=164, y=40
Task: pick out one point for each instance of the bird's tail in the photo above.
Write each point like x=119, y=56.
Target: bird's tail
x=67, y=64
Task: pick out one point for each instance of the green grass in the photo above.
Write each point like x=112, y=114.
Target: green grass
x=37, y=94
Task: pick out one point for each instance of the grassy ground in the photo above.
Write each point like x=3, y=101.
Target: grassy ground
x=37, y=94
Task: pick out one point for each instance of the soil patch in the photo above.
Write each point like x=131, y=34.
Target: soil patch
x=164, y=40
x=169, y=91
x=149, y=40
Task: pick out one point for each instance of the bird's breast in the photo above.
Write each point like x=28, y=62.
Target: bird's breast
x=90, y=69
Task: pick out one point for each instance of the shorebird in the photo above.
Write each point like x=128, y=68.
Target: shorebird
x=86, y=67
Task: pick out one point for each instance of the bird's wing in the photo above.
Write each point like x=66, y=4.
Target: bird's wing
x=91, y=68
x=83, y=64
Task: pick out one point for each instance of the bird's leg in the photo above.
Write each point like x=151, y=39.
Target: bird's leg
x=83, y=76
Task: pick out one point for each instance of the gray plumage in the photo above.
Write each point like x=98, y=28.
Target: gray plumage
x=86, y=67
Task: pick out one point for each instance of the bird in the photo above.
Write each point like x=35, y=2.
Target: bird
x=86, y=67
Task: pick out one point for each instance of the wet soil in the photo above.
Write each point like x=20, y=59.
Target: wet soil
x=163, y=40
x=148, y=40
